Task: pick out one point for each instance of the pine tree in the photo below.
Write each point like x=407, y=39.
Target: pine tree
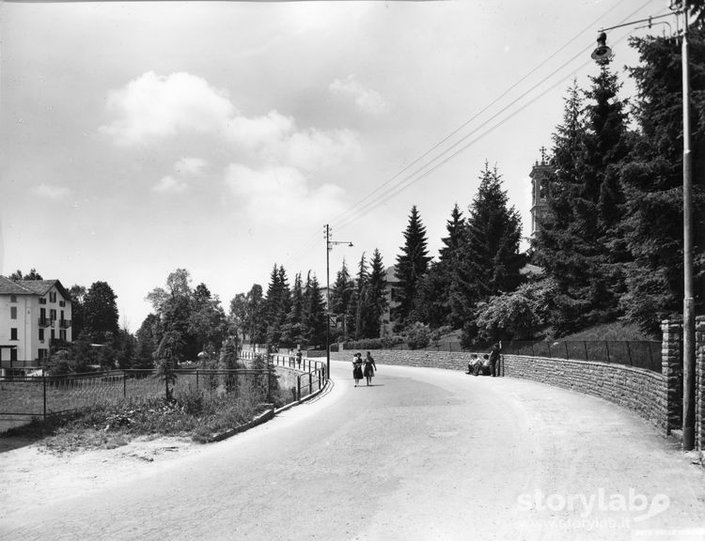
x=652, y=180
x=340, y=298
x=314, y=316
x=491, y=260
x=432, y=302
x=376, y=299
x=293, y=330
x=579, y=244
x=411, y=265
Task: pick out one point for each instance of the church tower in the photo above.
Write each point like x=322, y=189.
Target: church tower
x=539, y=179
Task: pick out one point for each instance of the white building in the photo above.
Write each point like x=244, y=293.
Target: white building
x=33, y=315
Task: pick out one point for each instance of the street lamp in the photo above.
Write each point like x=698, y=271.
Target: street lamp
x=602, y=55
x=329, y=246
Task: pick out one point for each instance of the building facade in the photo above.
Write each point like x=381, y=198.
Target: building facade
x=34, y=315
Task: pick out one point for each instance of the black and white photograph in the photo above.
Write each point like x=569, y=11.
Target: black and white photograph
x=365, y=270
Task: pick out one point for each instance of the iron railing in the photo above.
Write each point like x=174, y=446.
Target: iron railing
x=639, y=354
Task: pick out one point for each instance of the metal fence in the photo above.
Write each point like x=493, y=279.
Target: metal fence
x=27, y=397
x=639, y=354
x=312, y=378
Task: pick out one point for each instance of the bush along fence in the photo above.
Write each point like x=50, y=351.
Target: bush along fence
x=303, y=376
x=645, y=377
x=24, y=398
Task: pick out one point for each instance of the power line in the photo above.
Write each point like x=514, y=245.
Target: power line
x=404, y=183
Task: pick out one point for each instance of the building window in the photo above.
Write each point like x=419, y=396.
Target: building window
x=52, y=296
x=62, y=335
x=13, y=354
x=13, y=334
x=53, y=334
x=41, y=335
x=13, y=298
x=52, y=314
x=42, y=300
x=62, y=303
x=13, y=312
x=43, y=354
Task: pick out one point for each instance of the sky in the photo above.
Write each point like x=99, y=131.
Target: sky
x=137, y=138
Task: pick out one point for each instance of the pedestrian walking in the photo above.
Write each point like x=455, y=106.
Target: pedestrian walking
x=370, y=368
x=494, y=358
x=357, y=368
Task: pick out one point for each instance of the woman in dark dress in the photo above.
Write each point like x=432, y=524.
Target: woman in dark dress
x=357, y=368
x=370, y=368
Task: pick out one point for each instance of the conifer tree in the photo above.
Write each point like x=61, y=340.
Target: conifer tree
x=340, y=298
x=314, y=316
x=491, y=261
x=376, y=300
x=653, y=179
x=579, y=244
x=432, y=304
x=293, y=328
x=412, y=264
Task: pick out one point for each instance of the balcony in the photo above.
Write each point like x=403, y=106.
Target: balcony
x=45, y=322
x=64, y=323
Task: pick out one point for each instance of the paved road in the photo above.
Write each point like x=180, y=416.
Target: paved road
x=424, y=454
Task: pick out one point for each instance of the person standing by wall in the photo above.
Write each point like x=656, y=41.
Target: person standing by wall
x=494, y=358
x=370, y=368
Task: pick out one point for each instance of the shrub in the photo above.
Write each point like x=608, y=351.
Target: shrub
x=418, y=335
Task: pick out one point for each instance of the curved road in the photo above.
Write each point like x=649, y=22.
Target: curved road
x=423, y=454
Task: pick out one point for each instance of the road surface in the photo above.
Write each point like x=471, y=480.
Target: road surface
x=423, y=454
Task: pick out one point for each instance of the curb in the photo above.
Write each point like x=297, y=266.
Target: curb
x=263, y=417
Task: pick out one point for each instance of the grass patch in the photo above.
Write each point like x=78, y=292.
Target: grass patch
x=193, y=413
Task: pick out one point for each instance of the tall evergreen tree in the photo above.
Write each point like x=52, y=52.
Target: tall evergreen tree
x=293, y=330
x=340, y=299
x=433, y=295
x=491, y=261
x=653, y=179
x=412, y=264
x=376, y=299
x=314, y=317
x=579, y=244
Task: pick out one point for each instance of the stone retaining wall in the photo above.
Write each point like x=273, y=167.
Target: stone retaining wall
x=642, y=391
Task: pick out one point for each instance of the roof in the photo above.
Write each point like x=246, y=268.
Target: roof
x=8, y=287
x=391, y=275
x=31, y=287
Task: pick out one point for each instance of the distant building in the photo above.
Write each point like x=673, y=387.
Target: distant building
x=540, y=173
x=34, y=314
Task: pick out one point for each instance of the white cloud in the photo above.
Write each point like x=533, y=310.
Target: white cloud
x=169, y=184
x=154, y=106
x=48, y=191
x=190, y=166
x=185, y=170
x=281, y=195
x=366, y=99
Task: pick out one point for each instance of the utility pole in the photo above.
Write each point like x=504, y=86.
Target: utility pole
x=329, y=246
x=602, y=55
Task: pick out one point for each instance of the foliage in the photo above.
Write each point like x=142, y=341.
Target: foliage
x=100, y=313
x=412, y=264
x=31, y=275
x=417, y=335
x=168, y=356
x=518, y=315
x=314, y=313
x=652, y=180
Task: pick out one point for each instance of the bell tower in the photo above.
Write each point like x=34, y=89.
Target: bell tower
x=539, y=180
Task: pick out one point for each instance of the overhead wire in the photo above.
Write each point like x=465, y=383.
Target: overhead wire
x=405, y=182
